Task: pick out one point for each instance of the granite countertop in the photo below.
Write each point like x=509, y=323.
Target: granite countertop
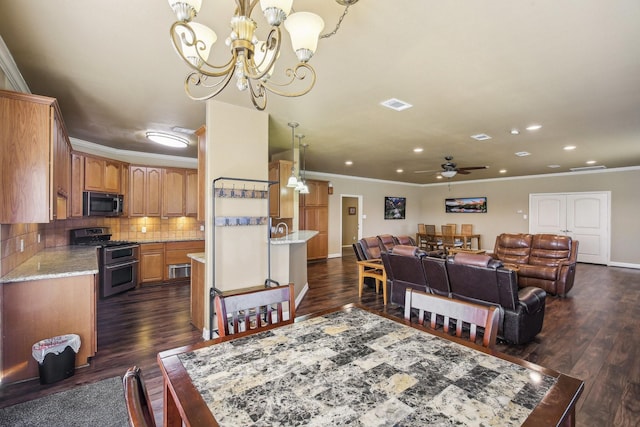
x=301, y=236
x=198, y=256
x=169, y=240
x=63, y=261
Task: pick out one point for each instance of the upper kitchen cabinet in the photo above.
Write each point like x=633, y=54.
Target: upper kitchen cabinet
x=280, y=196
x=35, y=157
x=103, y=175
x=145, y=194
x=202, y=169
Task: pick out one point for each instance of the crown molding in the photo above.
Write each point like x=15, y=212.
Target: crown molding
x=11, y=71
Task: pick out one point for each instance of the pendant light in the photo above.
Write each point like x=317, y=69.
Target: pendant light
x=293, y=181
x=302, y=185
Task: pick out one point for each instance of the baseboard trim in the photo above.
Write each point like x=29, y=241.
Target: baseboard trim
x=624, y=265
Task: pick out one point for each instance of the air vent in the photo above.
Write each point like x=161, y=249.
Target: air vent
x=396, y=104
x=522, y=154
x=481, y=137
x=587, y=168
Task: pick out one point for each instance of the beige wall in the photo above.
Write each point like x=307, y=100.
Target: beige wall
x=237, y=147
x=505, y=197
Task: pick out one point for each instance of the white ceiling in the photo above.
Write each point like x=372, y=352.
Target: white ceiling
x=485, y=66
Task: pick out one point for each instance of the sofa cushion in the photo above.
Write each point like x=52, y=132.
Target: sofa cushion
x=549, y=249
x=538, y=271
x=405, y=250
x=513, y=248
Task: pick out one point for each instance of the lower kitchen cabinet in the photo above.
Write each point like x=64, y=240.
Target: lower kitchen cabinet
x=197, y=294
x=166, y=261
x=35, y=310
x=151, y=263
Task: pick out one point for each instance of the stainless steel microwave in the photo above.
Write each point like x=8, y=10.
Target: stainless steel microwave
x=101, y=204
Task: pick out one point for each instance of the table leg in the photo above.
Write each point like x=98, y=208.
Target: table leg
x=171, y=413
x=384, y=286
x=360, y=279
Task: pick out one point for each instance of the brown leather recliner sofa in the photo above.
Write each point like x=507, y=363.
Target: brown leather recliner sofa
x=469, y=277
x=546, y=261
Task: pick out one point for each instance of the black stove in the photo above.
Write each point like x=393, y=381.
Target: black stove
x=117, y=259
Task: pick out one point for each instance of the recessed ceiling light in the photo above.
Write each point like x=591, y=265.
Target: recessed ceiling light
x=439, y=177
x=503, y=171
x=480, y=137
x=399, y=170
x=534, y=127
x=515, y=131
x=348, y=163
x=569, y=147
x=522, y=153
x=167, y=139
x=396, y=104
x=418, y=150
x=591, y=162
x=553, y=166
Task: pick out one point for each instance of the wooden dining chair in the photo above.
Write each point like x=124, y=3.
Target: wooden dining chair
x=447, y=312
x=421, y=240
x=448, y=238
x=433, y=243
x=466, y=230
x=136, y=399
x=255, y=310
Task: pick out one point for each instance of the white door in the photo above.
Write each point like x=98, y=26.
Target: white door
x=583, y=216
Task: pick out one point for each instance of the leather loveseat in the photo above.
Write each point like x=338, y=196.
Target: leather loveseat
x=546, y=261
x=469, y=277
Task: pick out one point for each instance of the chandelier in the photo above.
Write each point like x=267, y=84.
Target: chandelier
x=252, y=60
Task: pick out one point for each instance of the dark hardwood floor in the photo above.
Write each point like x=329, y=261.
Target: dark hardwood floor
x=593, y=334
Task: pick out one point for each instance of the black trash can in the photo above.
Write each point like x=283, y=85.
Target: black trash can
x=56, y=357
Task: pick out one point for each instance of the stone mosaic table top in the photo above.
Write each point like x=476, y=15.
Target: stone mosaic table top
x=356, y=368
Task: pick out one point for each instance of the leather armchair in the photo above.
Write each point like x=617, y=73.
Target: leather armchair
x=386, y=242
x=370, y=247
x=404, y=269
x=483, y=280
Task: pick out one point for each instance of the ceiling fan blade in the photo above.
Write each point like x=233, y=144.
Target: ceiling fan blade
x=463, y=172
x=470, y=168
x=429, y=171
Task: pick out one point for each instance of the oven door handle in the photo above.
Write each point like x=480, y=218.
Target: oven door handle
x=116, y=248
x=120, y=265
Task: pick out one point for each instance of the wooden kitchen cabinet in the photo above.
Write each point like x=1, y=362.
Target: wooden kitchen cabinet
x=314, y=215
x=174, y=184
x=145, y=191
x=103, y=175
x=151, y=263
x=280, y=196
x=77, y=183
x=40, y=309
x=34, y=152
x=192, y=196
x=176, y=253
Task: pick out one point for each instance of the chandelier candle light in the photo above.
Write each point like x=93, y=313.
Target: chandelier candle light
x=252, y=61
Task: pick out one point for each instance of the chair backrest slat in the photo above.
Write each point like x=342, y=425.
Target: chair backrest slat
x=465, y=315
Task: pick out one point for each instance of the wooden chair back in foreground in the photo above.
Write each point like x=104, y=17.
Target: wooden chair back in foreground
x=254, y=311
x=137, y=400
x=448, y=237
x=432, y=241
x=449, y=311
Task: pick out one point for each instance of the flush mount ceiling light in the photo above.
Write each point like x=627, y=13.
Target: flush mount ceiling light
x=252, y=61
x=167, y=139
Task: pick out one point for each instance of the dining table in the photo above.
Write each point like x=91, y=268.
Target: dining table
x=358, y=367
x=466, y=239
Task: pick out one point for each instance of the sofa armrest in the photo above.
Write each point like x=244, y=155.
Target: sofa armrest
x=532, y=299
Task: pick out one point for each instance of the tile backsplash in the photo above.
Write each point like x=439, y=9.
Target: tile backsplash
x=56, y=233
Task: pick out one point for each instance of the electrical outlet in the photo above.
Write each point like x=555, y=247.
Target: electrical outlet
x=144, y=229
x=202, y=228
x=38, y=237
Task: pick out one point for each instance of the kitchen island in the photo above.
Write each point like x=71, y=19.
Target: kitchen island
x=289, y=260
x=53, y=293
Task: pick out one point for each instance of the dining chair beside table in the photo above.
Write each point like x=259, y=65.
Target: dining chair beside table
x=352, y=365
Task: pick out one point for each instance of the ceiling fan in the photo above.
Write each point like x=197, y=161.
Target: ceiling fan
x=450, y=169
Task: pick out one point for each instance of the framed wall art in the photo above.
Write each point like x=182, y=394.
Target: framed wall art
x=352, y=210
x=394, y=207
x=466, y=205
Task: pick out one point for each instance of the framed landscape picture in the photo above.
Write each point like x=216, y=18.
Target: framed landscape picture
x=466, y=205
x=394, y=207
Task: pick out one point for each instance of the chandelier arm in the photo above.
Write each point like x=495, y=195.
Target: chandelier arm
x=272, y=42
x=177, y=44
x=294, y=74
x=198, y=79
x=258, y=95
x=335, y=30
